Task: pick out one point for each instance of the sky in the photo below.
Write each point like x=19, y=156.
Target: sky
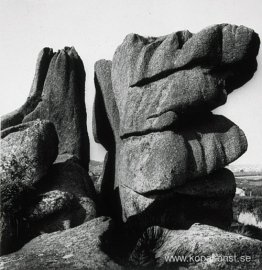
x=96, y=27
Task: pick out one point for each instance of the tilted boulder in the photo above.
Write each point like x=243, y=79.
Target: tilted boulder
x=77, y=248
x=156, y=79
x=200, y=247
x=156, y=107
x=58, y=95
x=27, y=152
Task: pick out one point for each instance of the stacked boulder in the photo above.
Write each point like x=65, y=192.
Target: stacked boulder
x=168, y=150
x=45, y=154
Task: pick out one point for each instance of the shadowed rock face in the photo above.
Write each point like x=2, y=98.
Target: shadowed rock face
x=157, y=246
x=58, y=95
x=106, y=131
x=206, y=200
x=156, y=106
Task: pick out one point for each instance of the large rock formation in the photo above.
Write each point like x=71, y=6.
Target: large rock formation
x=27, y=152
x=164, y=166
x=200, y=247
x=157, y=79
x=62, y=195
x=77, y=248
x=155, y=105
x=58, y=95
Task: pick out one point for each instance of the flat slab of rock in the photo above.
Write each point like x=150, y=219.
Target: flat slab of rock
x=200, y=247
x=77, y=248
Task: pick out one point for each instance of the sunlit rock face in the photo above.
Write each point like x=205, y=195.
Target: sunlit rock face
x=156, y=98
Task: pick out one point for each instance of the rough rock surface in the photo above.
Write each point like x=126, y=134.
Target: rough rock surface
x=162, y=160
x=164, y=165
x=105, y=111
x=157, y=79
x=27, y=152
x=58, y=95
x=203, y=246
x=77, y=248
x=50, y=203
x=164, y=89
x=72, y=182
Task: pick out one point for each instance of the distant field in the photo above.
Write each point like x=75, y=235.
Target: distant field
x=252, y=185
x=250, y=177
x=249, y=173
x=248, y=209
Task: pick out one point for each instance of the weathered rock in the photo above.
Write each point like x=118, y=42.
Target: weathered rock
x=248, y=230
x=155, y=80
x=58, y=95
x=27, y=152
x=160, y=160
x=53, y=211
x=167, y=159
x=73, y=199
x=200, y=247
x=50, y=203
x=206, y=200
x=77, y=248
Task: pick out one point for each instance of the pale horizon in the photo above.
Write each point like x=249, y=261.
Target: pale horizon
x=96, y=28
